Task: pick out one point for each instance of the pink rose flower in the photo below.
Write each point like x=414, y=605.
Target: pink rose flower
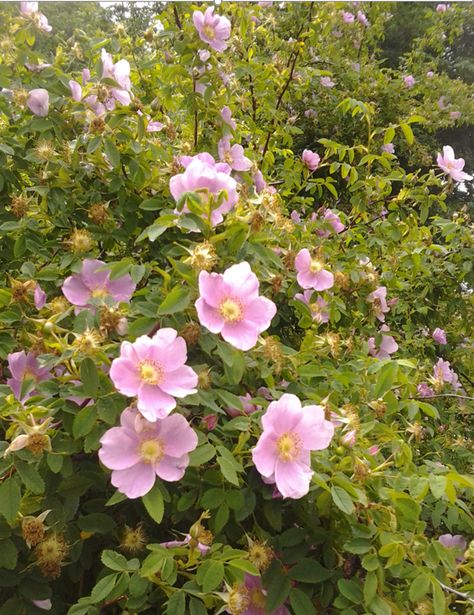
x=388, y=345
x=233, y=155
x=229, y=304
x=348, y=17
x=443, y=103
x=93, y=284
x=154, y=126
x=76, y=90
x=39, y=297
x=373, y=450
x=249, y=597
x=259, y=182
x=226, y=115
x=30, y=9
x=38, y=102
x=311, y=272
x=27, y=9
x=442, y=7
x=119, y=72
x=248, y=408
x=25, y=366
x=310, y=159
x=317, y=307
x=283, y=451
x=204, y=55
x=442, y=372
x=430, y=74
x=409, y=81
x=439, y=336
x=457, y=542
x=209, y=179
x=424, y=390
x=455, y=115
x=388, y=148
x=153, y=369
x=327, y=82
x=37, y=68
x=452, y=166
x=138, y=451
x=331, y=218
x=212, y=29
x=378, y=299
x=349, y=439
x=45, y=605
x=362, y=19
x=310, y=113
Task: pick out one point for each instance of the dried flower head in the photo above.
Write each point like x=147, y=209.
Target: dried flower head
x=98, y=213
x=80, y=241
x=33, y=529
x=19, y=206
x=191, y=333
x=133, y=539
x=50, y=554
x=203, y=256
x=88, y=342
x=260, y=554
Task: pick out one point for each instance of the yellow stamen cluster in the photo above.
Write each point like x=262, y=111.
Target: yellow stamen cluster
x=151, y=451
x=260, y=555
x=150, y=372
x=133, y=540
x=231, y=310
x=288, y=446
x=203, y=256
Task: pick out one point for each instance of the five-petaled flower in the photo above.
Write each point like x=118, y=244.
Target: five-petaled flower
x=229, y=304
x=153, y=369
x=25, y=367
x=311, y=272
x=452, y=166
x=212, y=29
x=290, y=433
x=94, y=283
x=378, y=298
x=138, y=451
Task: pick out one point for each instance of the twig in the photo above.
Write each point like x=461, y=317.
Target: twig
x=455, y=591
x=176, y=17
x=443, y=395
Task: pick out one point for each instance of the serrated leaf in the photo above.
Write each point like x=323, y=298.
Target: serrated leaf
x=386, y=379
x=30, y=476
x=112, y=152
x=103, y=588
x=278, y=590
x=89, y=377
x=300, y=603
x=10, y=497
x=342, y=500
x=176, y=300
x=176, y=604
x=114, y=561
x=84, y=421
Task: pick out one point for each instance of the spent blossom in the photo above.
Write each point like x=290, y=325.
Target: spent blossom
x=348, y=17
x=153, y=370
x=317, y=307
x=327, y=82
x=212, y=29
x=388, y=148
x=25, y=366
x=94, y=283
x=385, y=347
x=209, y=179
x=332, y=220
x=362, y=19
x=311, y=272
x=139, y=450
x=424, y=390
x=442, y=372
x=409, y=81
x=310, y=159
x=290, y=433
x=229, y=304
x=452, y=166
x=226, y=115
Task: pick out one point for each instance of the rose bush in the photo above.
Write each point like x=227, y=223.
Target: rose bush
x=236, y=315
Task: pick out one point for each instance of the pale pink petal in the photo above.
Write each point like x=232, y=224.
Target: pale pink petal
x=136, y=481
x=171, y=468
x=314, y=430
x=213, y=288
x=242, y=335
x=324, y=280
x=124, y=375
x=181, y=382
x=283, y=415
x=264, y=455
x=303, y=260
x=154, y=403
x=75, y=291
x=260, y=311
x=178, y=436
x=119, y=449
x=242, y=280
x=292, y=478
x=209, y=316
x=121, y=289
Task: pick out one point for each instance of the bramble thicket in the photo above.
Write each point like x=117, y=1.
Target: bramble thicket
x=236, y=308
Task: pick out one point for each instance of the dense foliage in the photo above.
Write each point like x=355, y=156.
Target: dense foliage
x=236, y=311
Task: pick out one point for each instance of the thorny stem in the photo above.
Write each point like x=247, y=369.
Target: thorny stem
x=444, y=395
x=455, y=591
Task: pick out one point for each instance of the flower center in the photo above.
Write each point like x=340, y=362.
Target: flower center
x=99, y=293
x=209, y=31
x=228, y=158
x=315, y=266
x=257, y=598
x=150, y=372
x=238, y=600
x=231, y=311
x=288, y=446
x=315, y=308
x=151, y=451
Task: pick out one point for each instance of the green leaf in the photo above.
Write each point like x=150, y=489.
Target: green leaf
x=408, y=132
x=419, y=587
x=245, y=565
x=114, y=561
x=370, y=587
x=30, y=476
x=439, y=599
x=84, y=421
x=154, y=504
x=89, y=377
x=278, y=590
x=351, y=590
x=96, y=523
x=8, y=555
x=196, y=607
x=10, y=497
x=112, y=152
x=212, y=577
x=151, y=204
x=437, y=485
x=103, y=588
x=386, y=379
x=228, y=470
x=300, y=603
x=201, y=455
x=380, y=607
x=176, y=604
x=309, y=571
x=342, y=500
x=176, y=301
